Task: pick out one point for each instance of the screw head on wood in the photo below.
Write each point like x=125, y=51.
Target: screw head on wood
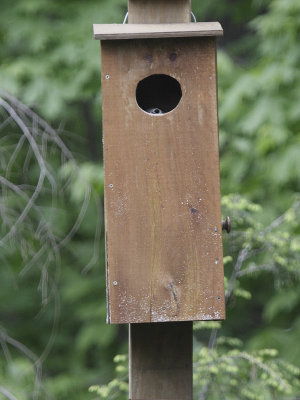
x=226, y=225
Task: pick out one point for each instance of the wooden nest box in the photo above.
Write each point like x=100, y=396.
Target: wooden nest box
x=162, y=189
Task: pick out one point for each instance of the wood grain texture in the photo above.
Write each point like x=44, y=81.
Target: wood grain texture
x=146, y=31
x=161, y=361
x=162, y=195
x=148, y=11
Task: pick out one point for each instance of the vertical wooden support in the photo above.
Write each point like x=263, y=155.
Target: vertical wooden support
x=158, y=11
x=161, y=361
x=160, y=354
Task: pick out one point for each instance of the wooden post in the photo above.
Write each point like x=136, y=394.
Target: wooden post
x=158, y=11
x=161, y=361
x=160, y=354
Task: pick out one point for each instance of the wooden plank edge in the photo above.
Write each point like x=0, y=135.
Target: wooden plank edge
x=167, y=320
x=152, y=31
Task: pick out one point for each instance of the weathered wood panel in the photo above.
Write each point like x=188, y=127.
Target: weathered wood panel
x=161, y=361
x=172, y=378
x=147, y=31
x=147, y=11
x=162, y=196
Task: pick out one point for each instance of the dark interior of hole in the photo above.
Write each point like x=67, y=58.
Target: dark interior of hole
x=158, y=92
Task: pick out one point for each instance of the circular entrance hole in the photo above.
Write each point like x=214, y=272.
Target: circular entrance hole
x=158, y=94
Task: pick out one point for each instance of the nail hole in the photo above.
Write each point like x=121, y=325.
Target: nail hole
x=111, y=185
x=173, y=56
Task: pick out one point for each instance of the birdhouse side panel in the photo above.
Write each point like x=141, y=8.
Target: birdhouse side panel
x=162, y=188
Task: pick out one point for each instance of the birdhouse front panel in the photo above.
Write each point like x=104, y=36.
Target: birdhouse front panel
x=162, y=189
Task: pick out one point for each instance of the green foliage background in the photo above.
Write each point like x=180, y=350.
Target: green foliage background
x=52, y=309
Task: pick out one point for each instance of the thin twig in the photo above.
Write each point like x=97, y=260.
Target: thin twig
x=7, y=394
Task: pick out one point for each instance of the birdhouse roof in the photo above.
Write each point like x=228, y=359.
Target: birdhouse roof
x=149, y=31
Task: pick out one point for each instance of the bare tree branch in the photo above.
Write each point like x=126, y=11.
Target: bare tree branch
x=7, y=394
x=28, y=227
